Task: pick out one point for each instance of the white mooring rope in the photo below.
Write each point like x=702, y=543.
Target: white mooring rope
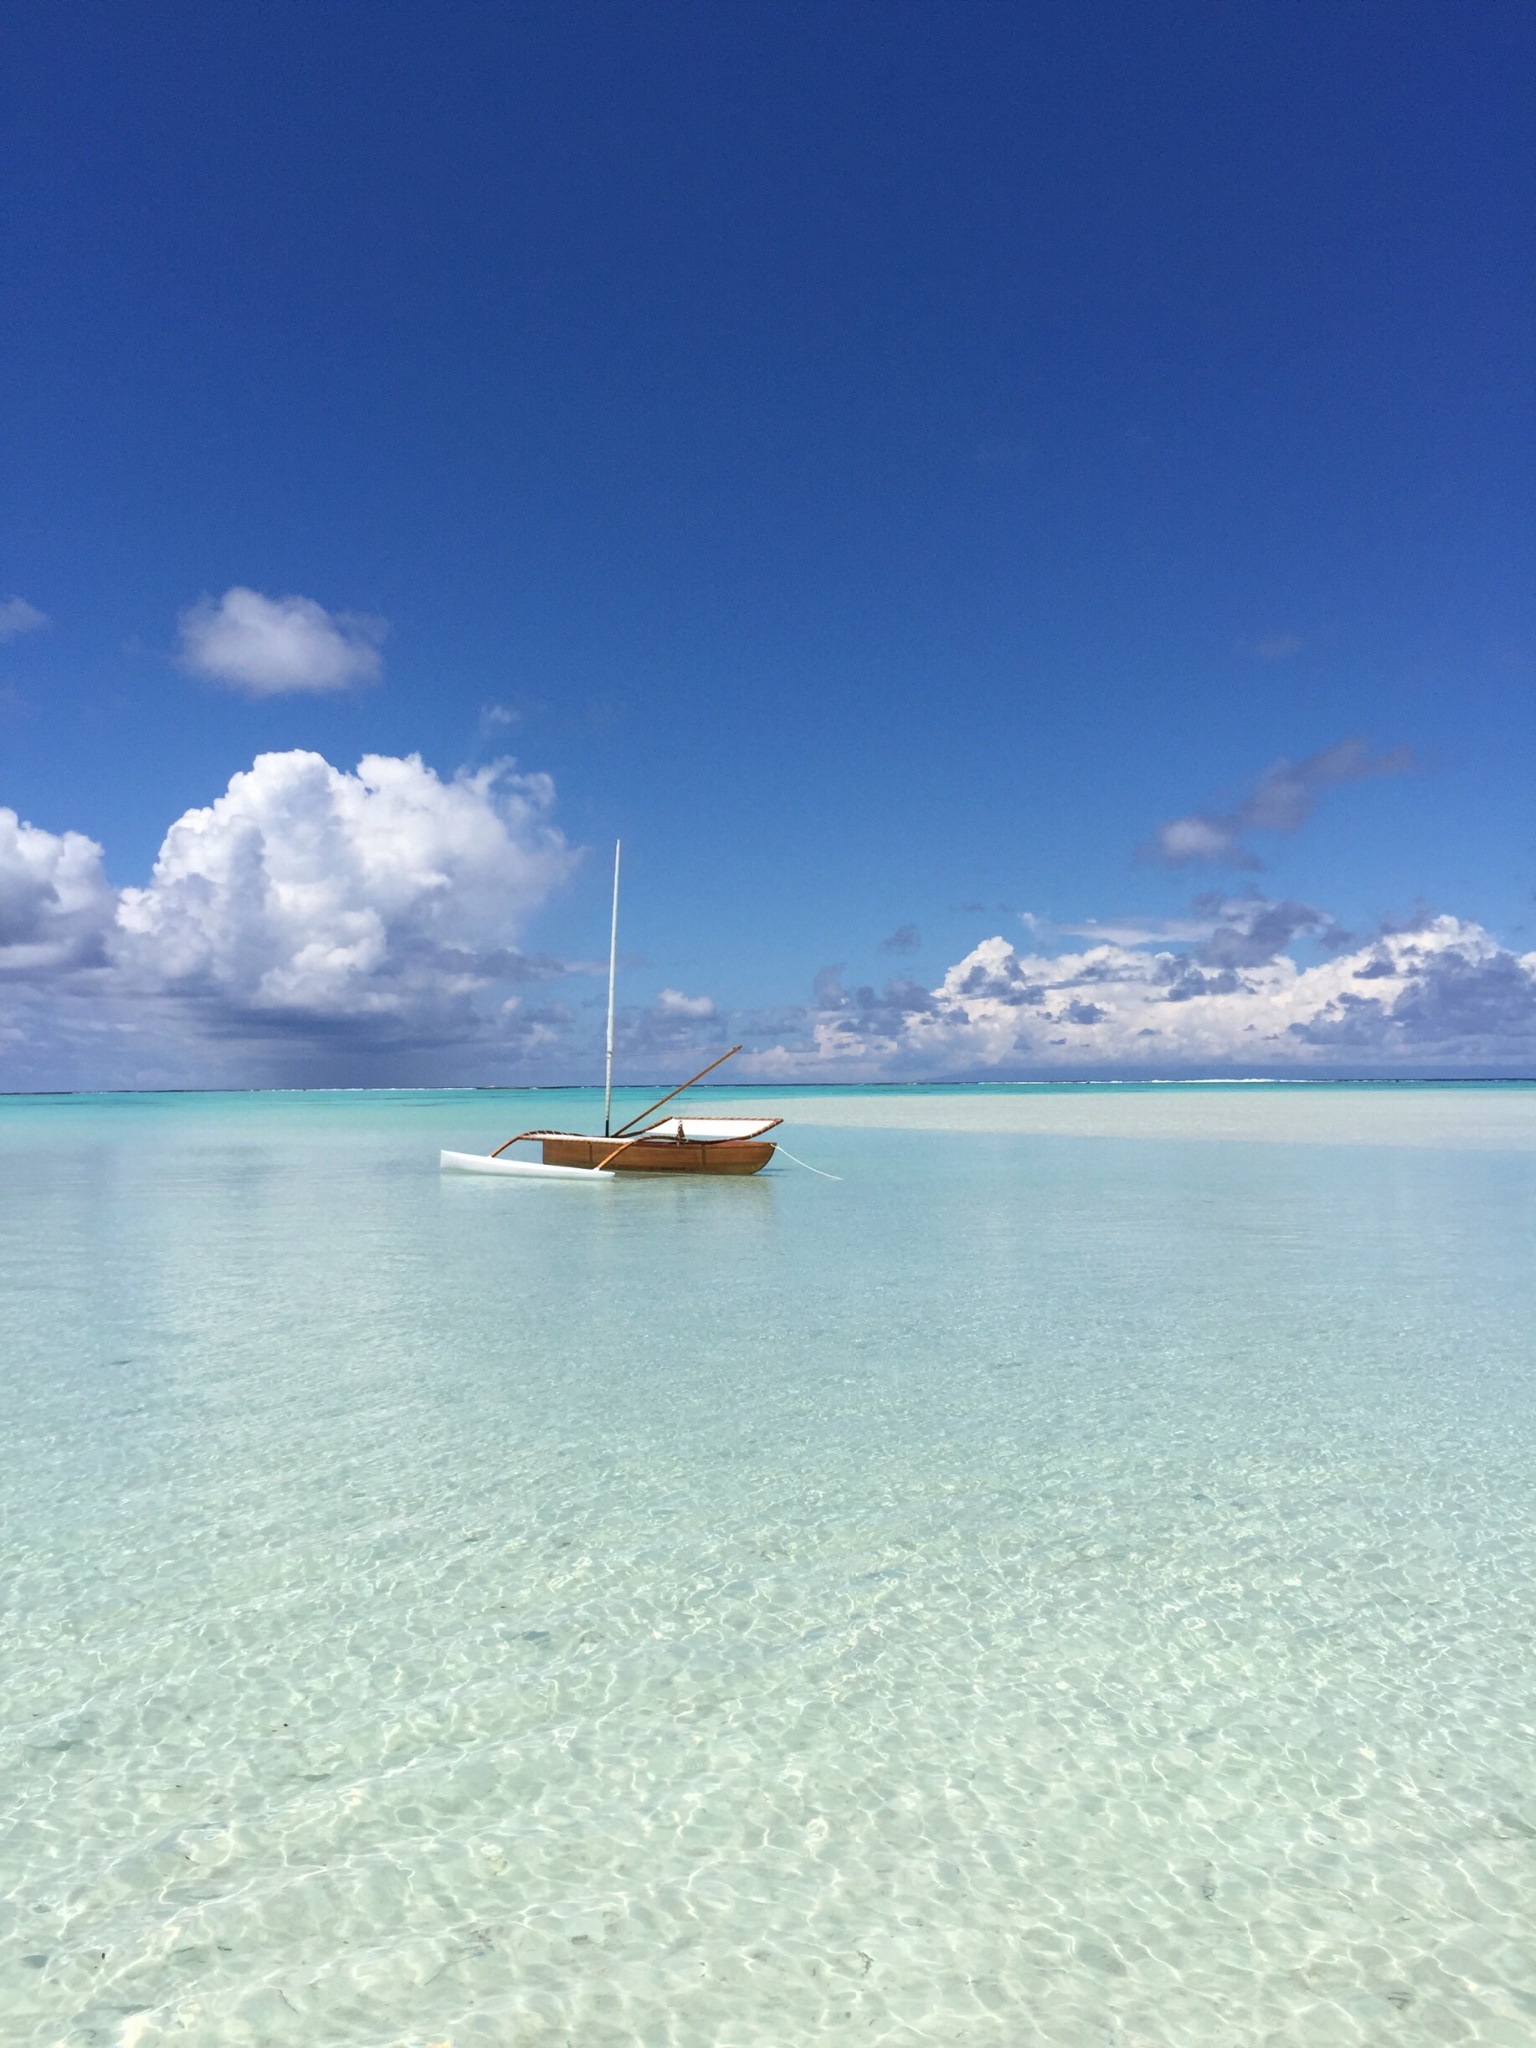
x=809, y=1169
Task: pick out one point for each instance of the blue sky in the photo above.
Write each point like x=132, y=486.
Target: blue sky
x=887, y=463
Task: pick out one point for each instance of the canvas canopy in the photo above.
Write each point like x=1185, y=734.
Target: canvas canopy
x=704, y=1129
x=698, y=1130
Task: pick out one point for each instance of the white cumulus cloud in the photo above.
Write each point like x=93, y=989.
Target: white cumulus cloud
x=17, y=616
x=273, y=646
x=306, y=894
x=55, y=903
x=673, y=1003
x=311, y=924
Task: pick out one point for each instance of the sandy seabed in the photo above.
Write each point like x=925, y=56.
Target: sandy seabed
x=1492, y=1117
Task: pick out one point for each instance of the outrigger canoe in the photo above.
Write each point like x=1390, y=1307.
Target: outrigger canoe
x=678, y=1144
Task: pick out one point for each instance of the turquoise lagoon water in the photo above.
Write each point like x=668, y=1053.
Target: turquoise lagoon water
x=1033, y=1589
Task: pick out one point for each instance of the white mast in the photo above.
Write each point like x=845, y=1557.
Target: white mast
x=613, y=964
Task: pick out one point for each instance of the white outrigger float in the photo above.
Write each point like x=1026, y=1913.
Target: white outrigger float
x=477, y=1162
x=677, y=1144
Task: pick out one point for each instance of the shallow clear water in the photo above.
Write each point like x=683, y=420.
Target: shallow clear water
x=1034, y=1589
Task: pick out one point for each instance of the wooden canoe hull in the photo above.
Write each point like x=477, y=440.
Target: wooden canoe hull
x=660, y=1155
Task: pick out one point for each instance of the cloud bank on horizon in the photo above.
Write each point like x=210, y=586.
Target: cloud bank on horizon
x=1441, y=995
x=314, y=925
